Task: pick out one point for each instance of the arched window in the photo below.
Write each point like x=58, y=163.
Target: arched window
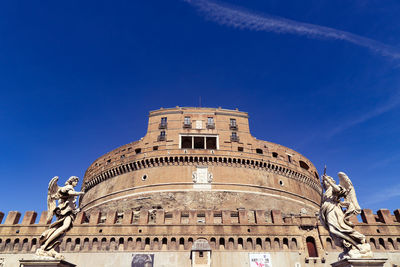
x=258, y=243
x=293, y=244
x=285, y=243
x=391, y=244
x=86, y=243
x=277, y=244
x=240, y=243
x=222, y=243
x=213, y=241
x=249, y=244
x=231, y=243
x=372, y=243
x=311, y=247
x=382, y=243
x=267, y=243
x=16, y=244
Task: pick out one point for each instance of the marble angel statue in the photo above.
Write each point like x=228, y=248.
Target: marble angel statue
x=65, y=211
x=339, y=203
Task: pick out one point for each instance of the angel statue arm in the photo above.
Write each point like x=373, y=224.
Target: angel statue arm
x=330, y=182
x=65, y=212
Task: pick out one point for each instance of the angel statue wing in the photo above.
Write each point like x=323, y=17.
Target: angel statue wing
x=354, y=207
x=52, y=196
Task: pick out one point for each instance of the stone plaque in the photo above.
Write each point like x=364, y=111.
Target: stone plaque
x=202, y=175
x=199, y=125
x=202, y=178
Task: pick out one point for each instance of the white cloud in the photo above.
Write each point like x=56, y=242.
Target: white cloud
x=243, y=19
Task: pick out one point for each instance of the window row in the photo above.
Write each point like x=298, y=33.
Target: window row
x=187, y=123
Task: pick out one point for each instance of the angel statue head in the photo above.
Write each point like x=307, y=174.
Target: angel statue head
x=73, y=180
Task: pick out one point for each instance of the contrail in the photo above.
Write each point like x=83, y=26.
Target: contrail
x=242, y=19
x=394, y=102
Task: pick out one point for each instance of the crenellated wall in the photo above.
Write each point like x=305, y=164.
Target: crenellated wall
x=156, y=230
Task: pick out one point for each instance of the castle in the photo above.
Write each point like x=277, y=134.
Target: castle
x=199, y=190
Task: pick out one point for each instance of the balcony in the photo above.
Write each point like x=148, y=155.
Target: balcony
x=233, y=127
x=210, y=125
x=234, y=138
x=161, y=138
x=187, y=125
x=162, y=125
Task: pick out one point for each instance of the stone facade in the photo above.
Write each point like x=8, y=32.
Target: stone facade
x=157, y=171
x=157, y=196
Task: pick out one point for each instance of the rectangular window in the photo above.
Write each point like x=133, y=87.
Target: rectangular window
x=162, y=133
x=240, y=148
x=155, y=147
x=186, y=120
x=289, y=158
x=187, y=142
x=211, y=142
x=199, y=142
x=233, y=122
x=163, y=120
x=234, y=134
x=210, y=120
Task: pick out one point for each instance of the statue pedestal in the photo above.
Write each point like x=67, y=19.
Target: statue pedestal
x=45, y=263
x=360, y=263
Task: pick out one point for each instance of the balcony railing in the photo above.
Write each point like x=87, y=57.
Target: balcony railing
x=211, y=125
x=161, y=138
x=234, y=138
x=162, y=125
x=233, y=126
x=187, y=125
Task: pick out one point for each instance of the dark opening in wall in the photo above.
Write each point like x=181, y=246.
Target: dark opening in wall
x=198, y=142
x=187, y=142
x=316, y=175
x=138, y=150
x=289, y=158
x=312, y=249
x=240, y=148
x=304, y=165
x=274, y=154
x=155, y=148
x=211, y=142
x=259, y=151
x=201, y=255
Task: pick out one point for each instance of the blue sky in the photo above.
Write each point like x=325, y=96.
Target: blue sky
x=78, y=79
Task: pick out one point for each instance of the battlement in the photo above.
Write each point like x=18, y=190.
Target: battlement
x=177, y=230
x=225, y=217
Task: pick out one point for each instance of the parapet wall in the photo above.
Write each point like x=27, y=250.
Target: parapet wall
x=177, y=230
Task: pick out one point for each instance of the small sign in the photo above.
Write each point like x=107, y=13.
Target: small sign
x=260, y=260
